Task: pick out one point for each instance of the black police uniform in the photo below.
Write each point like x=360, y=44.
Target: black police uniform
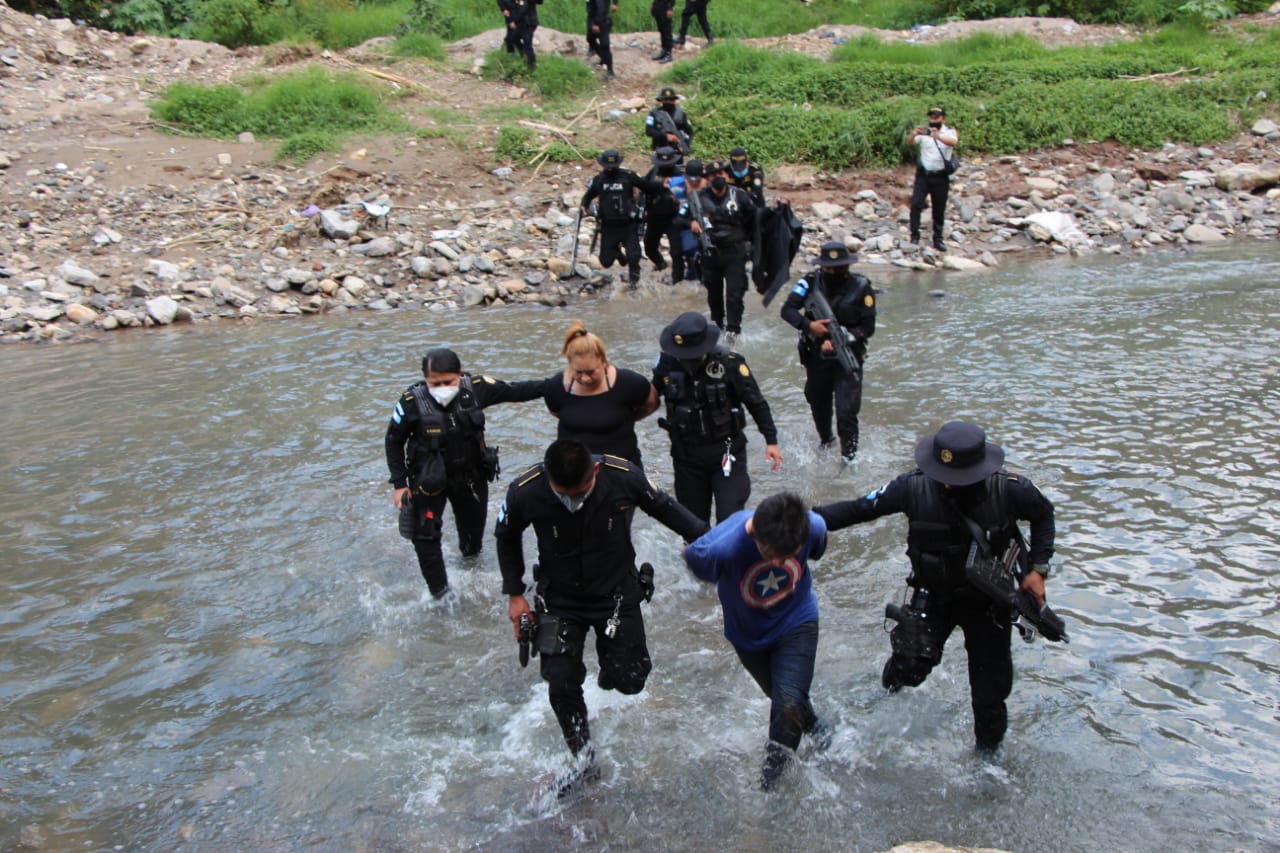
x=619, y=216
x=662, y=219
x=655, y=127
x=730, y=222
x=586, y=572
x=663, y=16
x=706, y=421
x=421, y=428
x=692, y=9
x=853, y=300
x=521, y=21
x=752, y=183
x=600, y=14
x=938, y=543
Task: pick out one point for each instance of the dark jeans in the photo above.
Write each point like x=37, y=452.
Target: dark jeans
x=664, y=27
x=987, y=631
x=824, y=383
x=624, y=663
x=618, y=239
x=784, y=672
x=469, y=498
x=653, y=234
x=694, y=8
x=724, y=275
x=699, y=479
x=935, y=186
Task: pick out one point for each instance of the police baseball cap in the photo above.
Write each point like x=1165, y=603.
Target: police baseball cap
x=738, y=155
x=610, y=158
x=834, y=254
x=668, y=94
x=937, y=111
x=959, y=455
x=689, y=336
x=666, y=156
x=693, y=169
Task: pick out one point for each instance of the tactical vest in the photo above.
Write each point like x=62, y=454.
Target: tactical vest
x=703, y=410
x=617, y=203
x=847, y=305
x=723, y=216
x=456, y=434
x=938, y=539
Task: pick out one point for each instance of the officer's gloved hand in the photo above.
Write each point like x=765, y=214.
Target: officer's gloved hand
x=646, y=580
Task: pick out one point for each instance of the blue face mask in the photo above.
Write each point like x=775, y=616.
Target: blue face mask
x=738, y=174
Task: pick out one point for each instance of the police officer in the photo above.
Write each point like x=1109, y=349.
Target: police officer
x=619, y=213
x=707, y=388
x=580, y=506
x=727, y=215
x=436, y=454
x=663, y=12
x=959, y=492
x=661, y=213
x=747, y=175
x=667, y=125
x=599, y=27
x=521, y=18
x=853, y=301
x=692, y=9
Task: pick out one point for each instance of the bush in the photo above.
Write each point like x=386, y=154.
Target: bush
x=420, y=45
x=233, y=23
x=554, y=78
x=301, y=147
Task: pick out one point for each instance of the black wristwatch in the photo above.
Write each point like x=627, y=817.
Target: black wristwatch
x=1041, y=569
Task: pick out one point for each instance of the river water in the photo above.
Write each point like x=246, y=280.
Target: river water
x=213, y=637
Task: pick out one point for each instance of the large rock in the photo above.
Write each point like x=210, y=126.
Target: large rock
x=1248, y=177
x=162, y=309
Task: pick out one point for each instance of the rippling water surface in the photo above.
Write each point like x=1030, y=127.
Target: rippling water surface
x=213, y=635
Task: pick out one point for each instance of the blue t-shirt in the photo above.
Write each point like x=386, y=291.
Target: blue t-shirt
x=761, y=602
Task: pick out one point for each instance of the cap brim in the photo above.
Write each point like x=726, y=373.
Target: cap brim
x=669, y=346
x=949, y=475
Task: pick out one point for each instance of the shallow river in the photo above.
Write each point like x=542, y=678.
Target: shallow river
x=212, y=633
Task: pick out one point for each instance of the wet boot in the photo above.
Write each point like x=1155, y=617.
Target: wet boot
x=776, y=759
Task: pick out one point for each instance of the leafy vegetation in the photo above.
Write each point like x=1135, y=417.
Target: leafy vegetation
x=312, y=110
x=555, y=78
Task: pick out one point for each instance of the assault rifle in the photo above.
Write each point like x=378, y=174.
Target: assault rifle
x=669, y=127
x=996, y=578
x=817, y=304
x=704, y=231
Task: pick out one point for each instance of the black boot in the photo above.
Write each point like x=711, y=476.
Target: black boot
x=776, y=759
x=663, y=58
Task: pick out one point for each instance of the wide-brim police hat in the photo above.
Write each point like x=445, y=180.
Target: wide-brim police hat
x=610, y=157
x=959, y=454
x=666, y=156
x=834, y=254
x=689, y=336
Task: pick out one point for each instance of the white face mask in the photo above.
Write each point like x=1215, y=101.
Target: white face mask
x=573, y=503
x=444, y=394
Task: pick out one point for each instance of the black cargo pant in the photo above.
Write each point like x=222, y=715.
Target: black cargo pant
x=987, y=629
x=724, y=275
x=624, y=661
x=825, y=383
x=934, y=186
x=654, y=231
x=469, y=497
x=692, y=9
x=619, y=240
x=700, y=479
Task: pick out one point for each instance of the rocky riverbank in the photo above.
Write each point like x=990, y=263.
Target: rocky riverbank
x=107, y=224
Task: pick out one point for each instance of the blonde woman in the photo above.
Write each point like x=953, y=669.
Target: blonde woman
x=596, y=401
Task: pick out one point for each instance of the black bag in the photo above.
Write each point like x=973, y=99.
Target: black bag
x=489, y=465
x=429, y=476
x=950, y=163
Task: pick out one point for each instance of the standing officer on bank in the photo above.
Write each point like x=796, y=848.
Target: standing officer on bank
x=667, y=125
x=599, y=27
x=935, y=145
x=695, y=9
x=580, y=507
x=958, y=491
x=521, y=19
x=437, y=454
x=663, y=12
x=728, y=217
x=706, y=389
x=618, y=212
x=853, y=301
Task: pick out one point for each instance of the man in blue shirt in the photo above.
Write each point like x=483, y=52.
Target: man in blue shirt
x=758, y=561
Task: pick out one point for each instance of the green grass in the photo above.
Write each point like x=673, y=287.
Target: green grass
x=419, y=45
x=307, y=110
x=555, y=78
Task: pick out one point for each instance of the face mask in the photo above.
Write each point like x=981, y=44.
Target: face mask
x=667, y=171
x=738, y=174
x=935, y=124
x=719, y=182
x=691, y=365
x=444, y=394
x=610, y=174
x=573, y=503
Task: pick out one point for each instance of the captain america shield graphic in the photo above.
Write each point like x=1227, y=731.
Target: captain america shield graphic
x=767, y=584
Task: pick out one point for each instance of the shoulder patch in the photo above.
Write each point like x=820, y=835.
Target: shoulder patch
x=868, y=300
x=486, y=379
x=743, y=369
x=801, y=288
x=528, y=476
x=618, y=462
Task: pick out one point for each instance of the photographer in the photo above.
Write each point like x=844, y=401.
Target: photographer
x=935, y=143
x=958, y=487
